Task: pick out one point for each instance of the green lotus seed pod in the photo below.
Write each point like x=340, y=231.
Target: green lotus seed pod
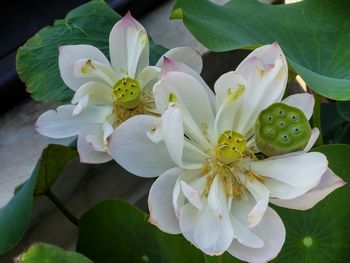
x=126, y=93
x=281, y=129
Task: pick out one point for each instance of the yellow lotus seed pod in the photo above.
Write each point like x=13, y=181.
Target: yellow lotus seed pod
x=230, y=146
x=126, y=93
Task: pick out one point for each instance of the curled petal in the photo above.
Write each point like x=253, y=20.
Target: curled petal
x=192, y=195
x=314, y=135
x=173, y=132
x=265, y=71
x=63, y=124
x=261, y=195
x=210, y=232
x=90, y=69
x=271, y=230
x=184, y=55
x=93, y=150
x=244, y=235
x=169, y=65
x=303, y=101
x=69, y=55
x=128, y=47
x=300, y=170
x=131, y=147
x=186, y=93
x=160, y=198
x=148, y=77
x=98, y=93
x=329, y=182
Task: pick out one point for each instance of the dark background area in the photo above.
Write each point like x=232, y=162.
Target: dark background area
x=20, y=20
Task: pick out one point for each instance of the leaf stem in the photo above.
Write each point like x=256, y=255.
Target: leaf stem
x=316, y=118
x=54, y=199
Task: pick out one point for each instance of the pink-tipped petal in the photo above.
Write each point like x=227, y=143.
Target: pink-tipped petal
x=184, y=55
x=128, y=47
x=266, y=73
x=329, y=182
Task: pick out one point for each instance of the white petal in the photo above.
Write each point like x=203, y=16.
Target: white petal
x=62, y=124
x=299, y=170
x=173, y=132
x=99, y=93
x=169, y=64
x=195, y=180
x=271, y=230
x=160, y=198
x=229, y=89
x=261, y=195
x=185, y=55
x=70, y=54
x=156, y=134
x=131, y=147
x=190, y=96
x=217, y=199
x=148, y=77
x=192, y=195
x=285, y=191
x=302, y=101
x=265, y=71
x=107, y=131
x=314, y=136
x=82, y=104
x=208, y=231
x=172, y=126
x=87, y=151
x=128, y=47
x=329, y=182
x=87, y=68
x=244, y=235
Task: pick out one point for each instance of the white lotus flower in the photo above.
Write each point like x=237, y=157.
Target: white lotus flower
x=218, y=199
x=107, y=94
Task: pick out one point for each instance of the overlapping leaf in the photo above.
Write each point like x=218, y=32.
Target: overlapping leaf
x=313, y=34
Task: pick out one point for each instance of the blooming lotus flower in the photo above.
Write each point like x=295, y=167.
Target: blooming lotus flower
x=106, y=94
x=212, y=188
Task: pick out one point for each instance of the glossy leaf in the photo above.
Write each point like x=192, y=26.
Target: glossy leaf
x=313, y=34
x=53, y=162
x=37, y=60
x=45, y=253
x=321, y=234
x=15, y=216
x=114, y=231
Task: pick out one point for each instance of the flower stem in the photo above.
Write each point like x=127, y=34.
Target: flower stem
x=316, y=118
x=54, y=199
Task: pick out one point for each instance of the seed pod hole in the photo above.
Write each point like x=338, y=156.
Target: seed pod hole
x=281, y=129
